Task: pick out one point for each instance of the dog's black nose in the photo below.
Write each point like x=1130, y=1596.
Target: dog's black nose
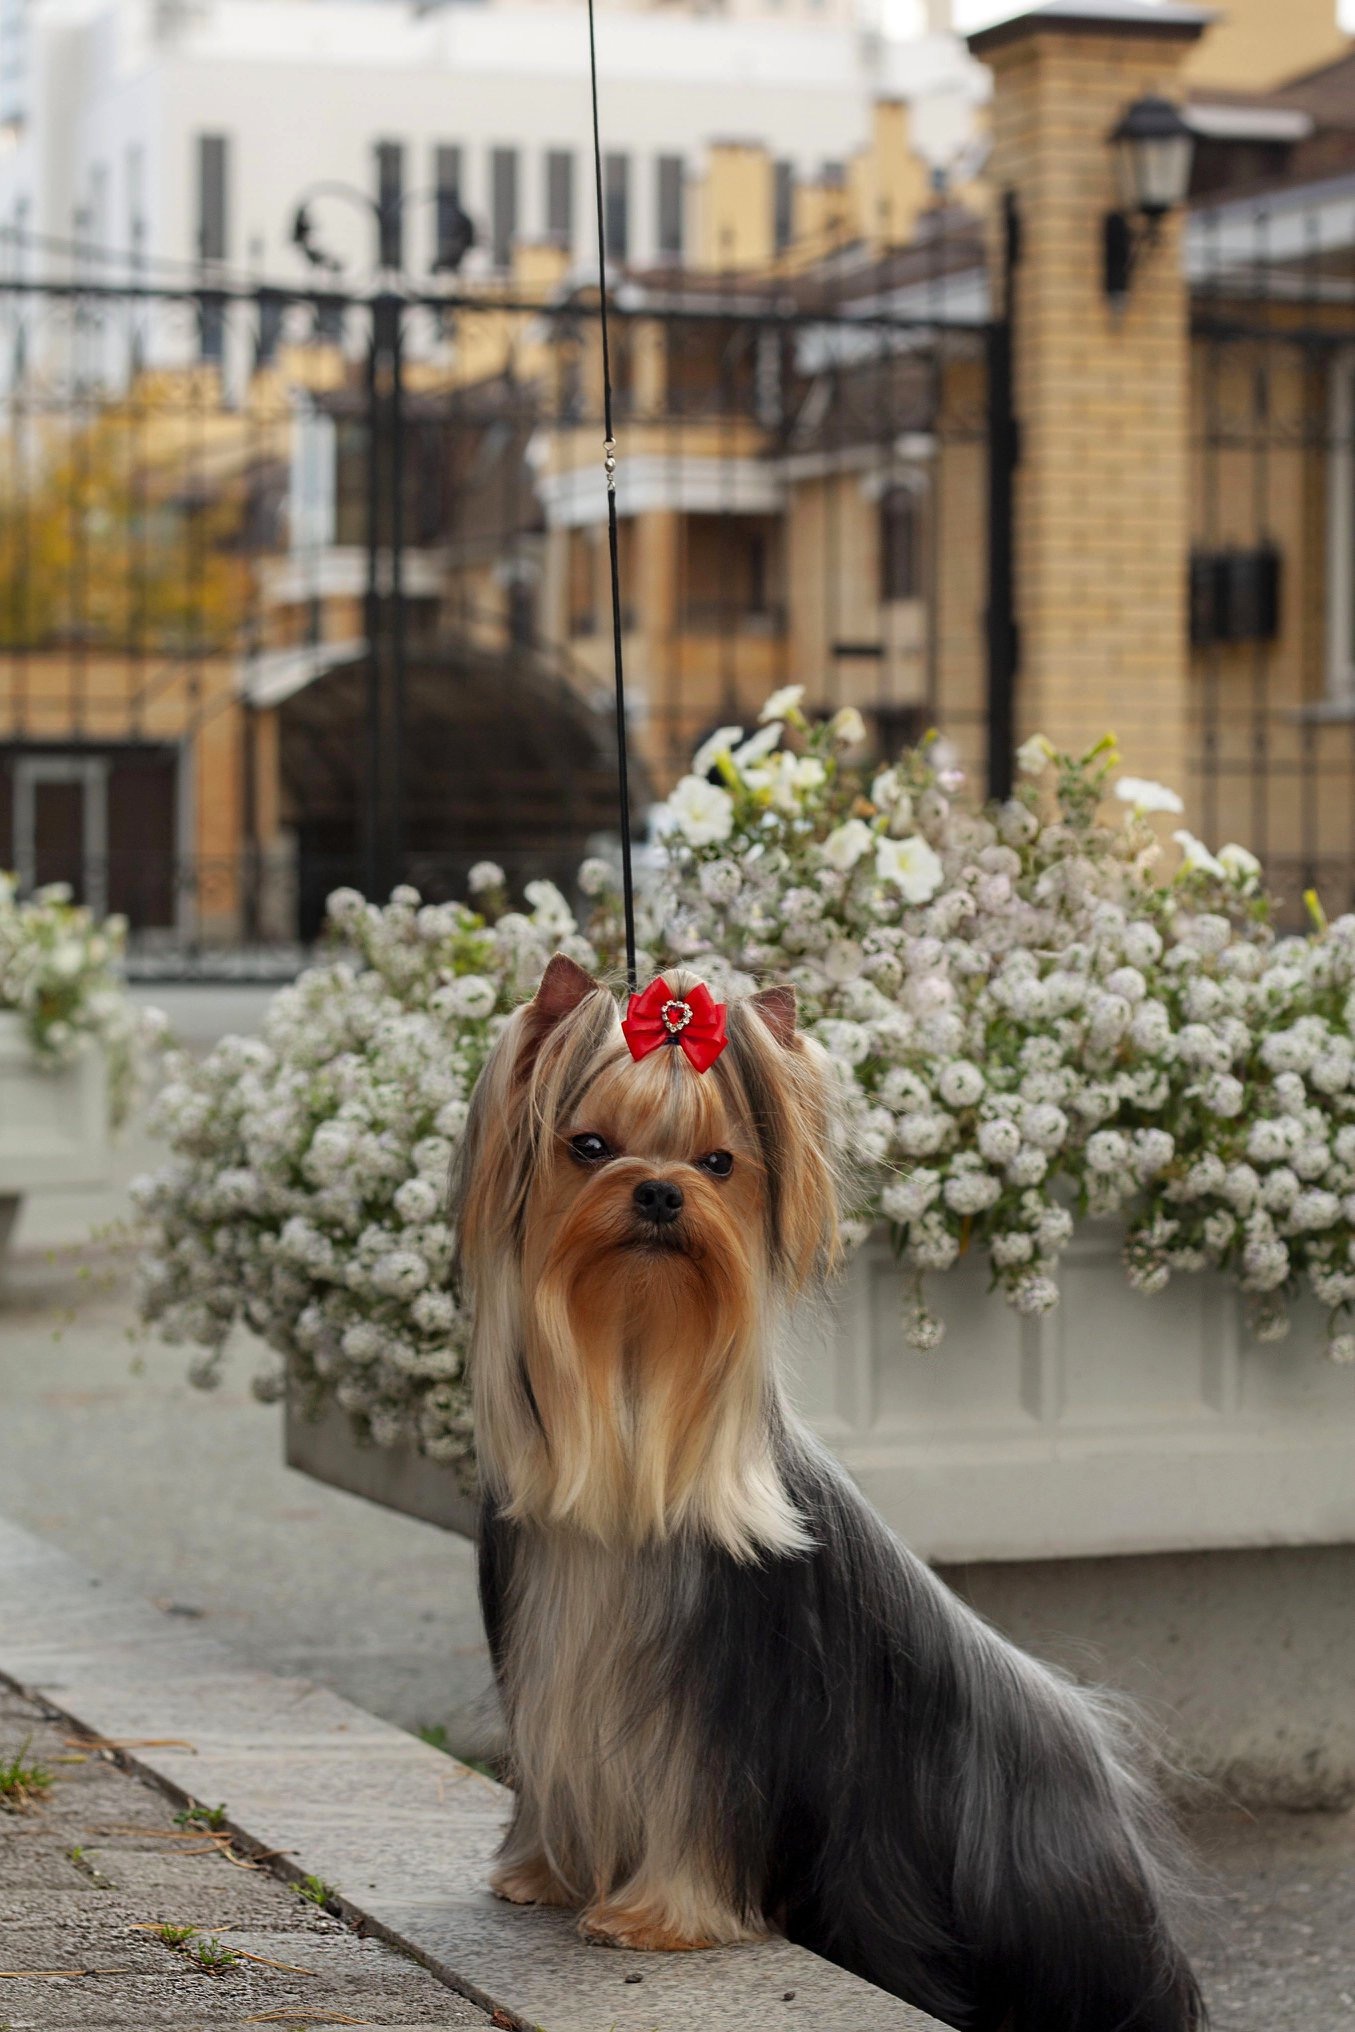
x=657, y=1200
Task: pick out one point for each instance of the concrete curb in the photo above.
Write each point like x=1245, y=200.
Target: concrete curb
x=401, y=1833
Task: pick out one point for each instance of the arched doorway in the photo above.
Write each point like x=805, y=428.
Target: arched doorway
x=502, y=760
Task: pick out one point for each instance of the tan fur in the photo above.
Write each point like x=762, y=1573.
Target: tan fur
x=650, y=1373
x=626, y=1402
x=611, y=1804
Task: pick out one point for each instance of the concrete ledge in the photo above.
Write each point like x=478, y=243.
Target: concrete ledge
x=401, y=1833
x=398, y=1477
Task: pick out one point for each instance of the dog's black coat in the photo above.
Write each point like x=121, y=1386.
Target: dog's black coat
x=898, y=1788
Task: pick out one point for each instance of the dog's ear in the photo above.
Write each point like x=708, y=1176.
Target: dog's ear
x=776, y=1007
x=563, y=986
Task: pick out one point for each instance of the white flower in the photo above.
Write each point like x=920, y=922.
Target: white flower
x=1045, y=1126
x=1341, y=1348
x=722, y=742
x=400, y=1273
x=549, y=909
x=1034, y=755
x=1036, y=1295
x=782, y=704
x=1224, y=1096
x=1239, y=865
x=756, y=747
x=470, y=995
x=842, y=960
x=911, y=865
x=485, y=875
x=846, y=844
x=1145, y=795
x=787, y=777
x=68, y=958
x=999, y=1140
x=907, y=1199
x=702, y=812
x=847, y=729
x=1196, y=858
x=921, y=1135
x=1107, y=1152
x=962, y=1085
x=417, y=1201
x=719, y=881
x=970, y=1192
x=596, y=876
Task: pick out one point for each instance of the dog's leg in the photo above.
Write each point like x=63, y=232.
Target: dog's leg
x=523, y=1872
x=531, y=1881
x=666, y=1913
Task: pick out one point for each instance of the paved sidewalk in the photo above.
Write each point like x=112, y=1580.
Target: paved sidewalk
x=107, y=1451
x=99, y=1886
x=400, y=1836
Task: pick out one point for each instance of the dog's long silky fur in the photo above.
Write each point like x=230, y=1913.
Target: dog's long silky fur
x=735, y=1702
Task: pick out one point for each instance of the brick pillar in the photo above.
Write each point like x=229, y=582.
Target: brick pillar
x=1102, y=399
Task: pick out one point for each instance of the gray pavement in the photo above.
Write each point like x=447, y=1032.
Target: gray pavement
x=400, y=1837
x=107, y=1451
x=1275, y=1936
x=99, y=1886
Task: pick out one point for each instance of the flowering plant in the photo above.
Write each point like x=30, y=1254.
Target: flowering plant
x=58, y=972
x=1027, y=1024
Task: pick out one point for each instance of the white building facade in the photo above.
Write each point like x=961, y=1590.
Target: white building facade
x=185, y=131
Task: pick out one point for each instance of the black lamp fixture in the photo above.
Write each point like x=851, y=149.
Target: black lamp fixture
x=1153, y=152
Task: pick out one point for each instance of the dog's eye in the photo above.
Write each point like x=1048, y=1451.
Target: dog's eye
x=588, y=1148
x=719, y=1163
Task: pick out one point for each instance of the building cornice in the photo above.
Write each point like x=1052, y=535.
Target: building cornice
x=1124, y=18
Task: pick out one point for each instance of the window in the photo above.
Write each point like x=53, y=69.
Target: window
x=213, y=178
x=560, y=197
x=97, y=209
x=135, y=175
x=616, y=205
x=503, y=204
x=900, y=545
x=272, y=318
x=783, y=205
x=390, y=190
x=670, y=207
x=582, y=617
x=213, y=233
x=732, y=575
x=449, y=232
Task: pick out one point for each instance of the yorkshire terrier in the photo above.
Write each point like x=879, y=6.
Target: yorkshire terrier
x=735, y=1703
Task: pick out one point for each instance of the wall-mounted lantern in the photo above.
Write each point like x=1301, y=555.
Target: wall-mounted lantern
x=1153, y=149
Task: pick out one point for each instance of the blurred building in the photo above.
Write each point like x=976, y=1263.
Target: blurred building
x=180, y=134
x=886, y=428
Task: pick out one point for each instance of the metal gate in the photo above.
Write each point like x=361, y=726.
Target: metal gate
x=306, y=587
x=1272, y=567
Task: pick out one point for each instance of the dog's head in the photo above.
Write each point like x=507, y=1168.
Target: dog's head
x=630, y=1229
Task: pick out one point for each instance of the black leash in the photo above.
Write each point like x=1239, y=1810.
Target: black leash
x=609, y=467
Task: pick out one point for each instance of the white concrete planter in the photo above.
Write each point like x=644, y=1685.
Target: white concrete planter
x=1117, y=1424
x=53, y=1121
x=1020, y=1452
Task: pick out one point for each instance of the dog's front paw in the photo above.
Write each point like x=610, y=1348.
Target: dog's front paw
x=640, y=1928
x=532, y=1882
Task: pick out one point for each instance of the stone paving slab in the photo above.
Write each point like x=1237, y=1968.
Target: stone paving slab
x=95, y=1861
x=400, y=1833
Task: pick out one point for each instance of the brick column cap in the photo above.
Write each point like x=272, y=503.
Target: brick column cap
x=1111, y=17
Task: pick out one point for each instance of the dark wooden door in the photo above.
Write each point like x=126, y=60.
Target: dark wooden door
x=141, y=839
x=59, y=835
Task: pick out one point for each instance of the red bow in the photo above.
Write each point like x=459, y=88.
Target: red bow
x=693, y=1019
